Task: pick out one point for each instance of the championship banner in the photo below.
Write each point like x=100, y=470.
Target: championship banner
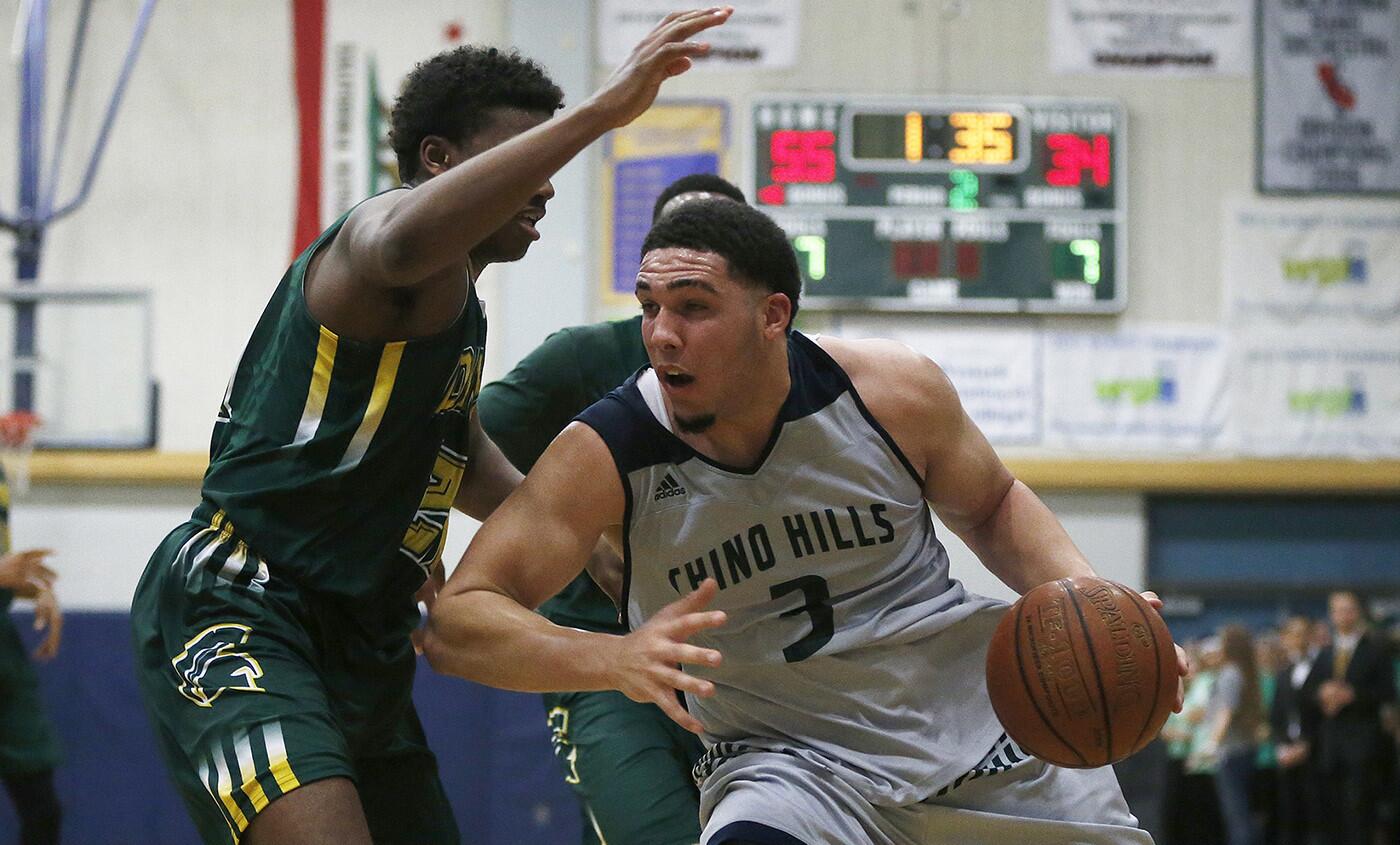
x=1314, y=395
x=1160, y=37
x=1329, y=111
x=1290, y=264
x=760, y=33
x=1149, y=389
x=996, y=372
x=668, y=141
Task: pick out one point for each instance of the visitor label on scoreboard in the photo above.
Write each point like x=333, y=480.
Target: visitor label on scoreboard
x=1203, y=37
x=947, y=204
x=760, y=33
x=1147, y=389
x=1329, y=97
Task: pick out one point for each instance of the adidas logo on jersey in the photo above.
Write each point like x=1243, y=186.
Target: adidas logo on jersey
x=667, y=488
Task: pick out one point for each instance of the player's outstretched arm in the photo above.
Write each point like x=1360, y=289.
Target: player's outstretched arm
x=404, y=237
x=482, y=626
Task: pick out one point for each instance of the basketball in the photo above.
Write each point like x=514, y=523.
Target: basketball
x=1082, y=672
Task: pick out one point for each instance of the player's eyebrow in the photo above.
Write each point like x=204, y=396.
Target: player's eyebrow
x=687, y=282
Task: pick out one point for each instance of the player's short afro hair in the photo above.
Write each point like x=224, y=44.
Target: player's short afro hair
x=755, y=247
x=450, y=93
x=695, y=182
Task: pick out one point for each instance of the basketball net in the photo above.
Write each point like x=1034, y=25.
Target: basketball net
x=17, y=446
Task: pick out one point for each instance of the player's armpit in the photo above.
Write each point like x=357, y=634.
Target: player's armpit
x=606, y=569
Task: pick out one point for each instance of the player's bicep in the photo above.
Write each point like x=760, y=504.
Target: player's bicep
x=541, y=537
x=964, y=478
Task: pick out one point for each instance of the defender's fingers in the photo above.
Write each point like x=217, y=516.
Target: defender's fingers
x=661, y=33
x=683, y=28
x=1153, y=599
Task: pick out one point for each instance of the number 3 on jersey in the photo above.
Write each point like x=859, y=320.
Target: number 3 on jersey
x=817, y=606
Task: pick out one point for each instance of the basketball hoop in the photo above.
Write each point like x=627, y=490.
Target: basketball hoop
x=17, y=446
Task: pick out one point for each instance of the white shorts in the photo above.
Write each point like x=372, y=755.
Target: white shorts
x=781, y=799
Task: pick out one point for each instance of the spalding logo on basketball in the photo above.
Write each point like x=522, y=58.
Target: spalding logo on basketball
x=1082, y=672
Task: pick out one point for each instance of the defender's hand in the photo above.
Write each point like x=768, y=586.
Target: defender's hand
x=664, y=53
x=427, y=596
x=47, y=615
x=1183, y=663
x=644, y=667
x=25, y=574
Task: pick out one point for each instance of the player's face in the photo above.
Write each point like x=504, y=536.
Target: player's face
x=509, y=242
x=703, y=331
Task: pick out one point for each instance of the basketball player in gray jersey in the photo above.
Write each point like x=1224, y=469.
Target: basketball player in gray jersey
x=769, y=493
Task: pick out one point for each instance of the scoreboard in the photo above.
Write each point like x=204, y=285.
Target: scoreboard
x=947, y=204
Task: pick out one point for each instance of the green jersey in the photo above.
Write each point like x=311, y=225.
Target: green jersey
x=336, y=461
x=5, y=595
x=523, y=412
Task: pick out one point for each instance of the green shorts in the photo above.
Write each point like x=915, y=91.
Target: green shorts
x=27, y=741
x=256, y=688
x=630, y=766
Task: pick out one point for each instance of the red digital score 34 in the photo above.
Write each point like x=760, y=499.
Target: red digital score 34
x=1070, y=155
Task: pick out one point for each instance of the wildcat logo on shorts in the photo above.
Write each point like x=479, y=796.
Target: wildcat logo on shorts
x=209, y=664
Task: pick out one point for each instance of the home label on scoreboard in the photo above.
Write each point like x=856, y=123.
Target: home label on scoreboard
x=947, y=203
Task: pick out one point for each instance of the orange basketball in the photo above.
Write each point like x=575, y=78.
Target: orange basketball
x=1082, y=672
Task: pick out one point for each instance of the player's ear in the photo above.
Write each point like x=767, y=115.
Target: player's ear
x=777, y=313
x=436, y=154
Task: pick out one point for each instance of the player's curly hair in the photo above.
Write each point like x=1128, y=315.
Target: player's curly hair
x=449, y=95
x=707, y=182
x=755, y=247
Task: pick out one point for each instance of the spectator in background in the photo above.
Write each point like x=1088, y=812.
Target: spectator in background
x=1320, y=636
x=1234, y=714
x=1195, y=815
x=1350, y=682
x=28, y=744
x=1292, y=724
x=1263, y=788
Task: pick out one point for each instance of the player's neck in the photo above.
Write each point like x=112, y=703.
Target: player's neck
x=739, y=436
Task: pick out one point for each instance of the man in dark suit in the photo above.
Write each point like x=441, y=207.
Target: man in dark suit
x=1293, y=725
x=1350, y=682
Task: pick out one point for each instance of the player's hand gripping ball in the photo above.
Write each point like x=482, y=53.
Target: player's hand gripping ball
x=1082, y=672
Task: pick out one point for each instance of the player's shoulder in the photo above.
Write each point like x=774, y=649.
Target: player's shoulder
x=882, y=365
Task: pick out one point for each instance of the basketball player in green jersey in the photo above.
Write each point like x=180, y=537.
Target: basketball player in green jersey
x=272, y=630
x=628, y=762
x=28, y=746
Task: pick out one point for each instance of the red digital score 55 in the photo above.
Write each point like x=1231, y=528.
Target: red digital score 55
x=1071, y=155
x=802, y=156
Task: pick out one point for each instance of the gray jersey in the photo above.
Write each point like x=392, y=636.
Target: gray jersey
x=842, y=644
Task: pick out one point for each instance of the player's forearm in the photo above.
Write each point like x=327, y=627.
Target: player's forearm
x=489, y=478
x=439, y=222
x=491, y=639
x=1024, y=544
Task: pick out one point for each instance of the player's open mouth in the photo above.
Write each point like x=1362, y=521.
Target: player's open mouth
x=529, y=221
x=674, y=378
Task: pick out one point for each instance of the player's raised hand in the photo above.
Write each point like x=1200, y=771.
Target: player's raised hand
x=25, y=574
x=644, y=667
x=665, y=52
